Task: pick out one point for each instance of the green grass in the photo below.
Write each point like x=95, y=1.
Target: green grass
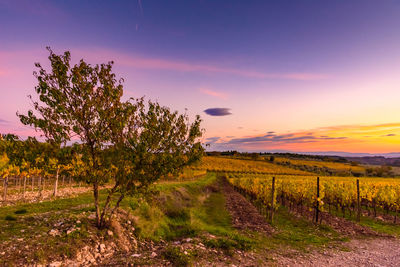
x=300, y=233
x=177, y=257
x=183, y=209
x=383, y=227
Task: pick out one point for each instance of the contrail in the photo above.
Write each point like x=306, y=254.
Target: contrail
x=140, y=6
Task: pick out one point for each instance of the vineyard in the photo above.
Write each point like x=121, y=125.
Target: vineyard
x=327, y=165
x=331, y=194
x=32, y=182
x=220, y=164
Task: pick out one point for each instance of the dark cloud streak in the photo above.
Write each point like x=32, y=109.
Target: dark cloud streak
x=284, y=138
x=218, y=111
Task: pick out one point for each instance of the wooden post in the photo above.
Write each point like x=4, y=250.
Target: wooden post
x=40, y=186
x=317, y=204
x=358, y=201
x=56, y=183
x=24, y=187
x=272, y=200
x=5, y=184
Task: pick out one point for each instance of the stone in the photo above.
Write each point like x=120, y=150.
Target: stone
x=102, y=248
x=153, y=254
x=54, y=232
x=110, y=233
x=136, y=255
x=70, y=230
x=55, y=264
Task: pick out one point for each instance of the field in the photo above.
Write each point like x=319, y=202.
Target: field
x=218, y=212
x=221, y=164
x=332, y=194
x=323, y=166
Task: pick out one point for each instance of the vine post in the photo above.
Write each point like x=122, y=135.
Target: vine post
x=56, y=182
x=5, y=185
x=272, y=200
x=358, y=201
x=317, y=204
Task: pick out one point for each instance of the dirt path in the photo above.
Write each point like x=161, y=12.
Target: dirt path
x=244, y=214
x=362, y=252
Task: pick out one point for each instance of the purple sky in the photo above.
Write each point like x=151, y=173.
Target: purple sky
x=288, y=67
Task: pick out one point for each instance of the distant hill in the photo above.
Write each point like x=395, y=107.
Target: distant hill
x=378, y=160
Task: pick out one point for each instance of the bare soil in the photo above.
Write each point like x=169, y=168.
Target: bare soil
x=361, y=252
x=244, y=215
x=33, y=196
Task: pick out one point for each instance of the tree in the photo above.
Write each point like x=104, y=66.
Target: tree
x=156, y=142
x=124, y=141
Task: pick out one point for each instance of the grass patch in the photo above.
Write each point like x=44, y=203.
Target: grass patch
x=385, y=227
x=300, y=233
x=176, y=256
x=228, y=244
x=20, y=211
x=380, y=226
x=10, y=218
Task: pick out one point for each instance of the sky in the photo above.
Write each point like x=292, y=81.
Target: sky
x=301, y=76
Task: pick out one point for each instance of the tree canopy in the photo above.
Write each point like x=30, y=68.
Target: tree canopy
x=132, y=142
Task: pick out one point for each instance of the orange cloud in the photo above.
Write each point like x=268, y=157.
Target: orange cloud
x=381, y=138
x=214, y=93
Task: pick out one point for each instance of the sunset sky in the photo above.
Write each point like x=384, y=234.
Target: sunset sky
x=302, y=76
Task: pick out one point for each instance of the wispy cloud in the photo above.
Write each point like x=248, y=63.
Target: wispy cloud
x=218, y=111
x=379, y=138
x=150, y=63
x=214, y=93
x=388, y=135
x=283, y=138
x=153, y=63
x=140, y=62
x=212, y=139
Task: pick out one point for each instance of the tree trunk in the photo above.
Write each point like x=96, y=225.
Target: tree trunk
x=108, y=201
x=117, y=205
x=96, y=202
x=56, y=183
